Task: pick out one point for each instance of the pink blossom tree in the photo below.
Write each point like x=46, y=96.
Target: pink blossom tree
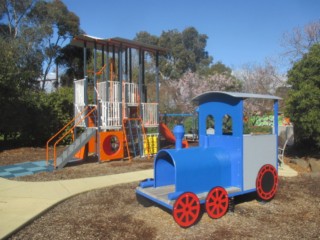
x=192, y=84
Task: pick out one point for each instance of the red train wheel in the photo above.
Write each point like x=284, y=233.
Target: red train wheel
x=217, y=202
x=186, y=209
x=267, y=182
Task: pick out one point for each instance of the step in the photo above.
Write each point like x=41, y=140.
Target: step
x=161, y=193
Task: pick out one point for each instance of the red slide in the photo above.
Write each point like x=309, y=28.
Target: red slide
x=168, y=135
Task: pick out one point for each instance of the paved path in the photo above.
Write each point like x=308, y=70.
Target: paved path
x=21, y=202
x=286, y=171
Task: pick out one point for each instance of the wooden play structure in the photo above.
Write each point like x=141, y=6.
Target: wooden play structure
x=122, y=121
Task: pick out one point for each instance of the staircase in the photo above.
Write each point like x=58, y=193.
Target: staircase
x=134, y=135
x=72, y=149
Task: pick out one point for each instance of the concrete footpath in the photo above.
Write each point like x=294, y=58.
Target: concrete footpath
x=286, y=171
x=21, y=202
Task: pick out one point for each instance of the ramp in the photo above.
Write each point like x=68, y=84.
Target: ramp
x=72, y=149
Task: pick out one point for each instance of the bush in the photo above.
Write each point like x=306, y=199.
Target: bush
x=303, y=105
x=37, y=116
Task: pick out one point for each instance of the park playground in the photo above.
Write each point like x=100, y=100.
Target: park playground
x=245, y=210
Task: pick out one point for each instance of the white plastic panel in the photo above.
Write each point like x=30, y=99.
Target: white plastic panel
x=258, y=150
x=79, y=103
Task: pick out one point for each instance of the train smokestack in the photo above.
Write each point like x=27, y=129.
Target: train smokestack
x=178, y=132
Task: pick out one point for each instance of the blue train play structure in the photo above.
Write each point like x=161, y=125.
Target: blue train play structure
x=227, y=162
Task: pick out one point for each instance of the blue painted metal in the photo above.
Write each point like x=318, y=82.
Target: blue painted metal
x=217, y=161
x=178, y=132
x=195, y=169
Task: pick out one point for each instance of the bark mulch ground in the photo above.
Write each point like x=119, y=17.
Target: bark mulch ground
x=114, y=213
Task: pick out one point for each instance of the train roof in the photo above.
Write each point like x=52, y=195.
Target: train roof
x=213, y=94
x=117, y=42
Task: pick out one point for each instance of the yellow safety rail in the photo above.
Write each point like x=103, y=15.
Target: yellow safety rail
x=70, y=130
x=125, y=135
x=61, y=130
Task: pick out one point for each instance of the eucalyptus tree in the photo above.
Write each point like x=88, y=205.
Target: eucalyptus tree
x=186, y=51
x=56, y=25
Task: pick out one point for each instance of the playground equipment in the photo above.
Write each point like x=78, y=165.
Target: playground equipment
x=116, y=124
x=227, y=162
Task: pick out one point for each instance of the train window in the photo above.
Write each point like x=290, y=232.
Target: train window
x=210, y=125
x=227, y=125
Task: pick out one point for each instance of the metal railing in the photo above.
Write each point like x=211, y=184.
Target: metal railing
x=113, y=94
x=79, y=98
x=67, y=133
x=60, y=131
x=102, y=90
x=76, y=123
x=110, y=114
x=149, y=114
x=132, y=93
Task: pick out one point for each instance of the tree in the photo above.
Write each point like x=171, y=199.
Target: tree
x=15, y=13
x=55, y=23
x=19, y=38
x=303, y=105
x=71, y=58
x=192, y=84
x=218, y=68
x=40, y=28
x=298, y=41
x=26, y=28
x=186, y=51
x=260, y=79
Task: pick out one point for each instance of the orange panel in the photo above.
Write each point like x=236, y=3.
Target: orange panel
x=92, y=145
x=81, y=154
x=111, y=145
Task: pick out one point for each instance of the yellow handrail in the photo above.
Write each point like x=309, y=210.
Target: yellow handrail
x=55, y=145
x=62, y=129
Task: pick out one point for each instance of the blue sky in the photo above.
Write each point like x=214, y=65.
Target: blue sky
x=239, y=31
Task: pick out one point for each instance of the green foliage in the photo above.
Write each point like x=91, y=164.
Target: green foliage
x=303, y=104
x=34, y=118
x=217, y=68
x=17, y=80
x=55, y=24
x=71, y=57
x=188, y=124
x=249, y=129
x=186, y=51
x=60, y=106
x=31, y=33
